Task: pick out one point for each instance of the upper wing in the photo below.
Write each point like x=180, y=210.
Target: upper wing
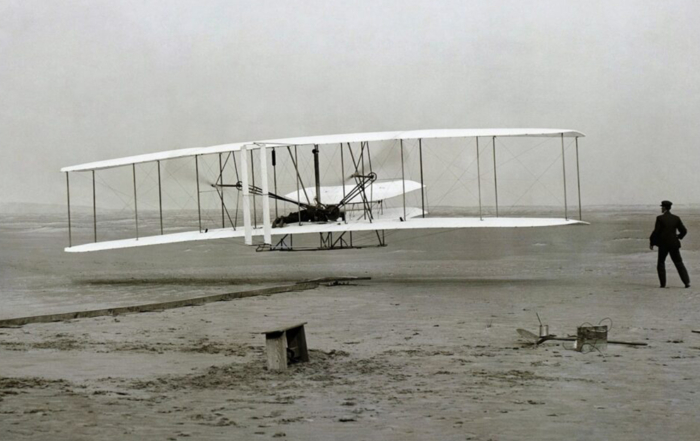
x=324, y=140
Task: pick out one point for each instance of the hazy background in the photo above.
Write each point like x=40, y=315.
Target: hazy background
x=89, y=80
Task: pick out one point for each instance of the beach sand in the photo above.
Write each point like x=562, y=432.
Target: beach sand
x=425, y=350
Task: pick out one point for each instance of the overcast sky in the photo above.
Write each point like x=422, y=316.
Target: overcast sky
x=89, y=80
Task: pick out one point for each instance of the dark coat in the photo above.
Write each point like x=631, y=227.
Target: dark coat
x=664, y=234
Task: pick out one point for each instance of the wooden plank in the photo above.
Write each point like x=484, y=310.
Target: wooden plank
x=276, y=348
x=286, y=328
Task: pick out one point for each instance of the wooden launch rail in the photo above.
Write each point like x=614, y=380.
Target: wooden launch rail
x=160, y=306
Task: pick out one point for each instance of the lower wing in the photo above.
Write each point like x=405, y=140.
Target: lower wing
x=380, y=223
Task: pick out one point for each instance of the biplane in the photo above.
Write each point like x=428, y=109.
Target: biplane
x=379, y=184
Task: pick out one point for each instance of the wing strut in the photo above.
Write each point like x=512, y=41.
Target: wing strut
x=199, y=206
x=70, y=236
x=235, y=167
x=342, y=173
x=298, y=179
x=267, y=227
x=317, y=174
x=495, y=176
x=255, y=205
x=422, y=187
x=403, y=182
x=578, y=179
x=94, y=206
x=160, y=200
x=136, y=206
x=563, y=167
x=369, y=159
x=221, y=179
x=274, y=173
x=246, y=198
x=478, y=176
x=362, y=163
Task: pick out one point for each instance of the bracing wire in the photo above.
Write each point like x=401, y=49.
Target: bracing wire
x=537, y=178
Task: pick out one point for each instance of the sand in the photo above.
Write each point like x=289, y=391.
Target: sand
x=427, y=349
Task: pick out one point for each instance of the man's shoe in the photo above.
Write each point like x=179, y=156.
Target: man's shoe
x=662, y=286
x=687, y=285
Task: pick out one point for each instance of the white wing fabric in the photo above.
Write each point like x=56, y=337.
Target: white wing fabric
x=377, y=191
x=334, y=227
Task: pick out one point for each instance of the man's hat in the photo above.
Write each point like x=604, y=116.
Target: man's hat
x=666, y=204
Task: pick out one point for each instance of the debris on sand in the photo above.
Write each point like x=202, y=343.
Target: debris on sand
x=588, y=338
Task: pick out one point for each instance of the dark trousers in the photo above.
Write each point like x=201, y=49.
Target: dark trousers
x=677, y=260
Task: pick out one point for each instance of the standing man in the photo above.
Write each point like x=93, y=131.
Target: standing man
x=668, y=242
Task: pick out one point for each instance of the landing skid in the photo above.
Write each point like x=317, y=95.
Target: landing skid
x=326, y=243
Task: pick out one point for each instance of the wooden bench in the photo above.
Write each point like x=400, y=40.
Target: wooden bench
x=285, y=346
